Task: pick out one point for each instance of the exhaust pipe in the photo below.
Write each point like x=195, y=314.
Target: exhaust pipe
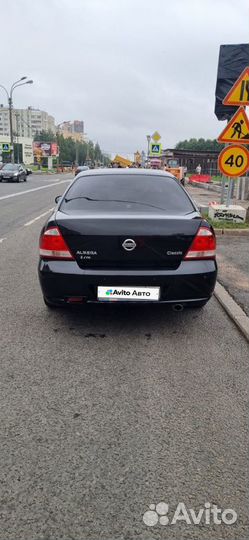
x=177, y=307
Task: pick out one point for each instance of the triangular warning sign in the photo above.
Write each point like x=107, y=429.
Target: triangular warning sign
x=237, y=129
x=239, y=93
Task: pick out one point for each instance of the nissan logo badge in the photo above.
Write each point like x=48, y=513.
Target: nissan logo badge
x=129, y=244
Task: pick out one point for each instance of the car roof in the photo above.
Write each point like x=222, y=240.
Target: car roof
x=13, y=164
x=128, y=172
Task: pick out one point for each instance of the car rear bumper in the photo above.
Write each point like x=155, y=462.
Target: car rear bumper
x=193, y=281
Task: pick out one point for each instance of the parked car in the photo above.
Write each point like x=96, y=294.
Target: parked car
x=81, y=168
x=28, y=170
x=130, y=235
x=13, y=172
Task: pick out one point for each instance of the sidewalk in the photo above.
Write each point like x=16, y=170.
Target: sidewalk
x=232, y=253
x=204, y=196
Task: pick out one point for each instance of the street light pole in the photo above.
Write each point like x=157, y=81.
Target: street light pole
x=10, y=104
x=11, y=131
x=148, y=137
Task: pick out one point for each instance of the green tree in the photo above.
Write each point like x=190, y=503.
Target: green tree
x=67, y=148
x=199, y=144
x=45, y=136
x=97, y=153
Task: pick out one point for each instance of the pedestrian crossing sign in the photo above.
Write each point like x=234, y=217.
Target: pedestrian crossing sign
x=239, y=93
x=155, y=149
x=237, y=129
x=5, y=147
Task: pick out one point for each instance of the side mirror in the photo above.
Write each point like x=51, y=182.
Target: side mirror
x=58, y=199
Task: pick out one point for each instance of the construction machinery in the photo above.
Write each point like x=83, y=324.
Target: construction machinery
x=120, y=161
x=172, y=166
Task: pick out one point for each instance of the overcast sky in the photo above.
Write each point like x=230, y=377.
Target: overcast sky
x=125, y=67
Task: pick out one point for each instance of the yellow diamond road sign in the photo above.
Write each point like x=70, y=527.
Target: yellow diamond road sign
x=156, y=136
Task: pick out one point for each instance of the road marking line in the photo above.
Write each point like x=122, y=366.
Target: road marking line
x=2, y=239
x=34, y=189
x=38, y=217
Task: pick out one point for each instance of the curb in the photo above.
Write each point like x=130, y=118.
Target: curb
x=232, y=232
x=234, y=311
x=209, y=187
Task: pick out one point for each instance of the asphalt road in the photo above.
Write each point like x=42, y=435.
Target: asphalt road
x=111, y=408
x=24, y=201
x=232, y=255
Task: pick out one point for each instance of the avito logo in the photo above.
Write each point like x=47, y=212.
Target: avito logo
x=109, y=292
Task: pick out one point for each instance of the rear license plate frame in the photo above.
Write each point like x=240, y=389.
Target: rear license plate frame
x=128, y=293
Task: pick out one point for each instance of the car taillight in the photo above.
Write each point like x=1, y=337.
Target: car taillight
x=53, y=245
x=203, y=245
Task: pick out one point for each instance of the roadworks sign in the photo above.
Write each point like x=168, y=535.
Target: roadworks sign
x=234, y=160
x=237, y=129
x=239, y=93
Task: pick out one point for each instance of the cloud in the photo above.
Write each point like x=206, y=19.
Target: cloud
x=126, y=67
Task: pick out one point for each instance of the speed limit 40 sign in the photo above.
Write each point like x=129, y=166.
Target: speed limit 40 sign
x=234, y=160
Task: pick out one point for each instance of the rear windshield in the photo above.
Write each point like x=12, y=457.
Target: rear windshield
x=133, y=193
x=10, y=167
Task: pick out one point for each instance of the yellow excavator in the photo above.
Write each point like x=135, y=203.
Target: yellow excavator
x=172, y=166
x=120, y=161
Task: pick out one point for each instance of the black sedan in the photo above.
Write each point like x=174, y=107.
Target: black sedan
x=130, y=235
x=80, y=169
x=13, y=172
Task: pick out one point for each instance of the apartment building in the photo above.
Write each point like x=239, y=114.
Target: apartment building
x=26, y=122
x=73, y=130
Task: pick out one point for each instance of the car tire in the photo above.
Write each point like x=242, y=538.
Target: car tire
x=18, y=179
x=25, y=179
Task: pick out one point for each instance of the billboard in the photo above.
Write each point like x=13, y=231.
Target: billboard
x=45, y=149
x=54, y=149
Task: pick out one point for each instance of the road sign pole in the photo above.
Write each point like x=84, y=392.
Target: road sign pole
x=229, y=192
x=234, y=159
x=223, y=185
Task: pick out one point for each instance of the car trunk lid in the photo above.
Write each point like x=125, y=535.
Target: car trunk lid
x=128, y=241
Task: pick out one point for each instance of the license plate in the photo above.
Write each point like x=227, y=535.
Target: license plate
x=128, y=293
